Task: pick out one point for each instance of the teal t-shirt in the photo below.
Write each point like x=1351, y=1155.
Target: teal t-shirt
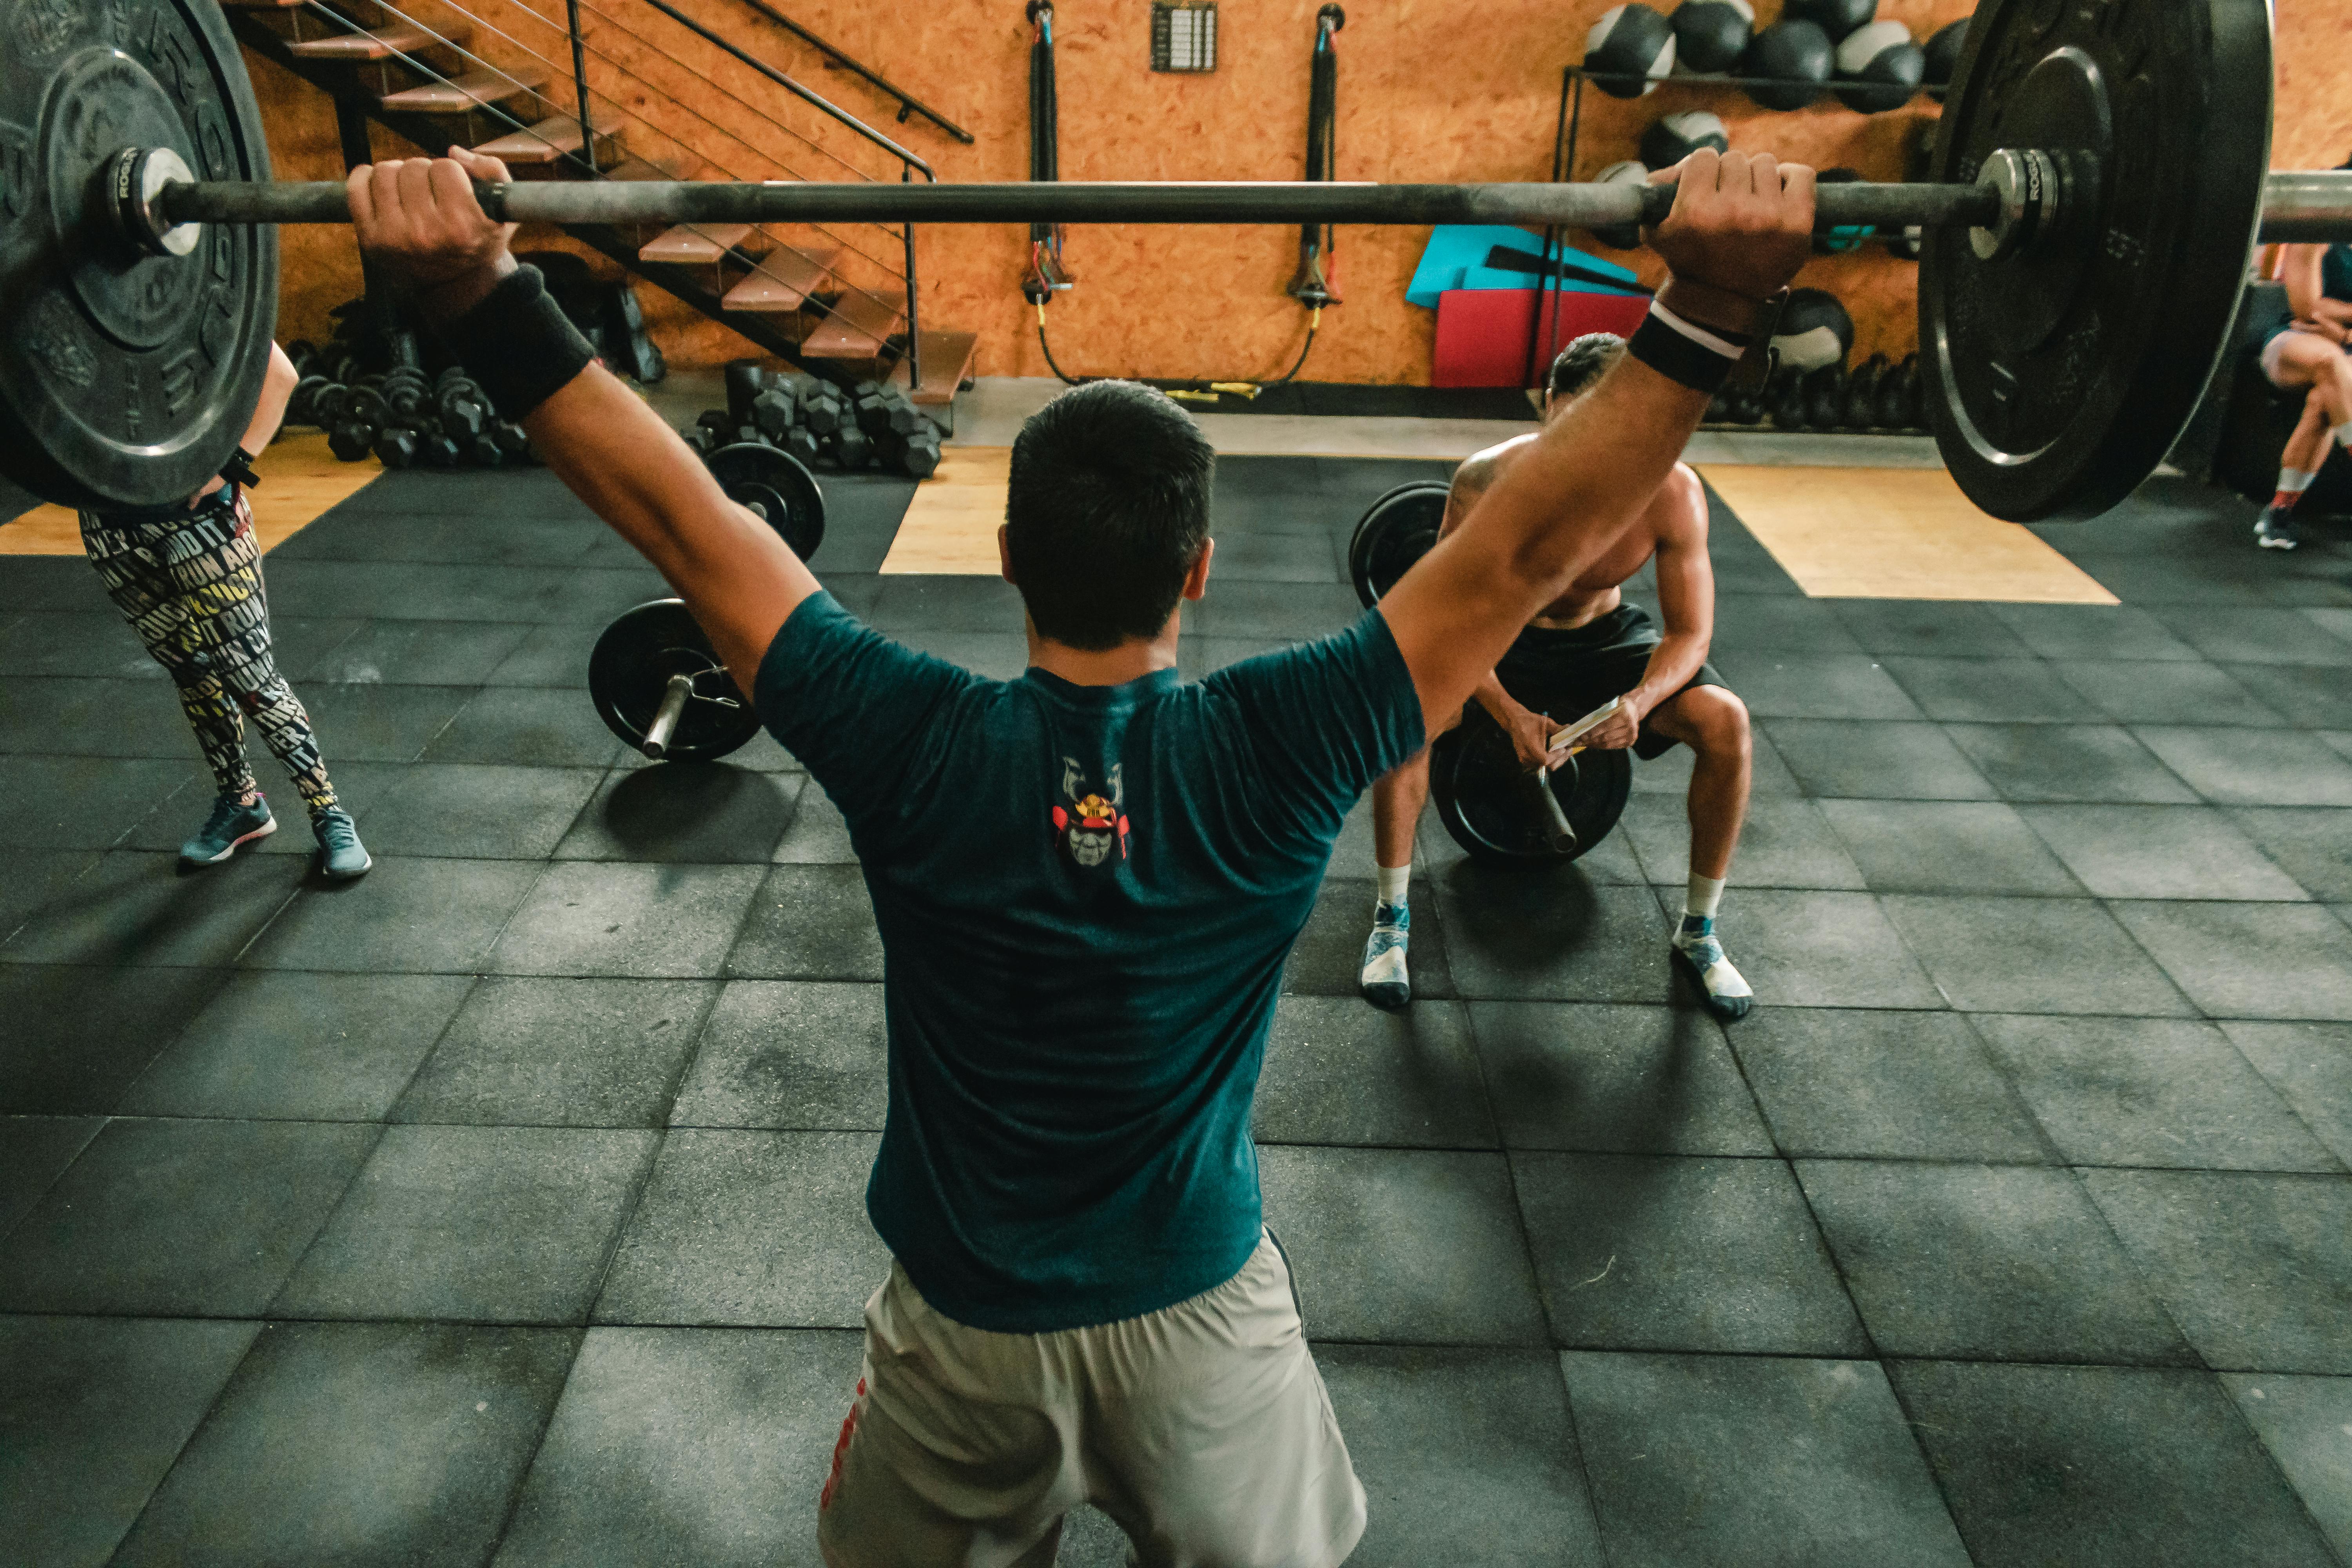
x=1085, y=897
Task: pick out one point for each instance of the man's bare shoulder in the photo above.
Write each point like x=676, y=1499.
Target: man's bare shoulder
x=1678, y=514
x=1481, y=469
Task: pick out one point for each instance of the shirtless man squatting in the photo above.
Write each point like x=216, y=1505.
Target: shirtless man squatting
x=1584, y=647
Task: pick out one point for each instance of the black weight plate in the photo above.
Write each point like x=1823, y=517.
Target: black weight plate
x=1470, y=776
x=2061, y=378
x=629, y=671
x=125, y=379
x=753, y=472
x=1395, y=531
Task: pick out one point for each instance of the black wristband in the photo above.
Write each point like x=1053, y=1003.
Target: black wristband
x=1700, y=358
x=517, y=345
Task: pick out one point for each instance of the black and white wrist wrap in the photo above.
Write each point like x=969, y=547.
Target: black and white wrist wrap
x=1700, y=358
x=517, y=344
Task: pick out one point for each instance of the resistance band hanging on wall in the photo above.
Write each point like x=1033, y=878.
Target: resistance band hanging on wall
x=1310, y=286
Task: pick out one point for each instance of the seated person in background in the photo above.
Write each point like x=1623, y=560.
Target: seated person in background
x=2310, y=351
x=1584, y=647
x=1087, y=882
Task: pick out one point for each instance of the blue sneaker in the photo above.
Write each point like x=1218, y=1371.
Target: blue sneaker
x=232, y=823
x=341, y=856
x=1384, y=980
x=1722, y=988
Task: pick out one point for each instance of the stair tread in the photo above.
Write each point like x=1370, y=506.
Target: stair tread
x=858, y=326
x=472, y=90
x=690, y=243
x=782, y=281
x=947, y=355
x=547, y=140
x=374, y=45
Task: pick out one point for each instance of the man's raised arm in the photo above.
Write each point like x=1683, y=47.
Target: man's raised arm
x=1740, y=228
x=739, y=580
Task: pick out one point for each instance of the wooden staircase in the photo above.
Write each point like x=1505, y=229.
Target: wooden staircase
x=792, y=298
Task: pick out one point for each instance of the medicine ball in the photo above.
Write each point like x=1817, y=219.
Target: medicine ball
x=1882, y=56
x=1622, y=236
x=1845, y=237
x=1630, y=40
x=1676, y=137
x=1814, y=331
x=1711, y=35
x=1942, y=57
x=1789, y=51
x=1835, y=17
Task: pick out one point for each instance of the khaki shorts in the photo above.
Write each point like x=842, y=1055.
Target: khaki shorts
x=1203, y=1429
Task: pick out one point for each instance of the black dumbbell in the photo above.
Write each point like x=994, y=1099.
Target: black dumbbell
x=851, y=448
x=1825, y=397
x=873, y=415
x=906, y=419
x=802, y=446
x=918, y=454
x=462, y=416
x=719, y=422
x=366, y=404
x=437, y=451
x=749, y=435
x=349, y=440
x=485, y=451
x=699, y=437
x=327, y=404
x=822, y=410
x=513, y=442
x=772, y=411
x=301, y=351
x=1784, y=401
x=395, y=447
x=1862, y=393
x=405, y=393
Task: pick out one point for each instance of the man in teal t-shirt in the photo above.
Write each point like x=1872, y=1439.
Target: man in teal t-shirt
x=1086, y=881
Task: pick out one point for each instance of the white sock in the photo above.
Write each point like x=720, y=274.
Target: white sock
x=1391, y=881
x=2294, y=481
x=2343, y=434
x=1702, y=896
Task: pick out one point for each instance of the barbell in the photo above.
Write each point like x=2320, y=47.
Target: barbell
x=2099, y=180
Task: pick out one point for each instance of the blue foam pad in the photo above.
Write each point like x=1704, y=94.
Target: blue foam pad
x=1455, y=249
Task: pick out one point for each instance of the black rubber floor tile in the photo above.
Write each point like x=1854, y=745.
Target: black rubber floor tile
x=2067, y=762
x=2254, y=767
x=2069, y=632
x=2250, y=961
x=1550, y=936
x=2160, y=852
x=993, y=655
x=464, y=531
x=1944, y=846
x=1985, y=1263
x=1766, y=622
x=2152, y=583
x=75, y=1037
x=137, y=911
x=92, y=1413
x=1875, y=761
x=376, y=723
x=31, y=878
x=2306, y=1424
x=1632, y=1080
x=591, y=597
x=817, y=835
x=180, y=1218
x=710, y=812
x=862, y=513
x=689, y=1446
x=553, y=656
x=1249, y=556
x=2049, y=1465
x=94, y=642
x=1754, y=1459
x=1466, y=1455
x=2310, y=1065
x=2175, y=692
x=2307, y=696
x=2150, y=1091
x=1786, y=843
x=1812, y=950
x=358, y=1444
x=536, y=727
x=1643, y=1253
x=1420, y=1246
x=419, y=590
x=2032, y=955
x=1850, y=1083
x=496, y=1225
x=752, y=1229
x=1339, y=1071
x=1327, y=960
x=300, y=1047
x=1942, y=629
x=614, y=918
x=33, y=1150
x=798, y=1054
x=1783, y=685
x=2256, y=1269
x=946, y=604
x=1991, y=690
x=419, y=653
x=405, y=917
x=1275, y=610
x=809, y=922
x=476, y=811
x=46, y=715
x=359, y=786
x=2310, y=843
x=560, y=1053
x=2241, y=635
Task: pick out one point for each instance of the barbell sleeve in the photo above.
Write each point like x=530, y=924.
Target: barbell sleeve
x=674, y=696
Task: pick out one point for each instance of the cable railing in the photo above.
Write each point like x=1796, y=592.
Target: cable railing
x=586, y=161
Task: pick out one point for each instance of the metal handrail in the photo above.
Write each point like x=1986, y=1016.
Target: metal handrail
x=907, y=103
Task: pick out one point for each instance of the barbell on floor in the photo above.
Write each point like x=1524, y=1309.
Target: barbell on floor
x=2100, y=176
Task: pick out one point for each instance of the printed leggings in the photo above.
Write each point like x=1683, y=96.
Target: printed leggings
x=190, y=585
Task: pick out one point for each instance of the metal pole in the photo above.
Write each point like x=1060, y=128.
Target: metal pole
x=913, y=336
x=2307, y=206
x=580, y=81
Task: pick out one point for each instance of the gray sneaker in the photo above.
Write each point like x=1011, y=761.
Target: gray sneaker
x=341, y=856
x=232, y=823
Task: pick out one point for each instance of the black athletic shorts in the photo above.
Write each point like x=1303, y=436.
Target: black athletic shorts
x=1567, y=673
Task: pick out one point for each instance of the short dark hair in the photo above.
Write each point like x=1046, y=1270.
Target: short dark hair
x=1107, y=511
x=1579, y=365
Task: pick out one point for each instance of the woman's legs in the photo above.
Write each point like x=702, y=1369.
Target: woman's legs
x=2306, y=359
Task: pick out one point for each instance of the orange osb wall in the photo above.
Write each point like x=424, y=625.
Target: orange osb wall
x=1428, y=91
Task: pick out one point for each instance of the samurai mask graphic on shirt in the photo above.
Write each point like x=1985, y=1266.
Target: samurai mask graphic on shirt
x=1089, y=824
